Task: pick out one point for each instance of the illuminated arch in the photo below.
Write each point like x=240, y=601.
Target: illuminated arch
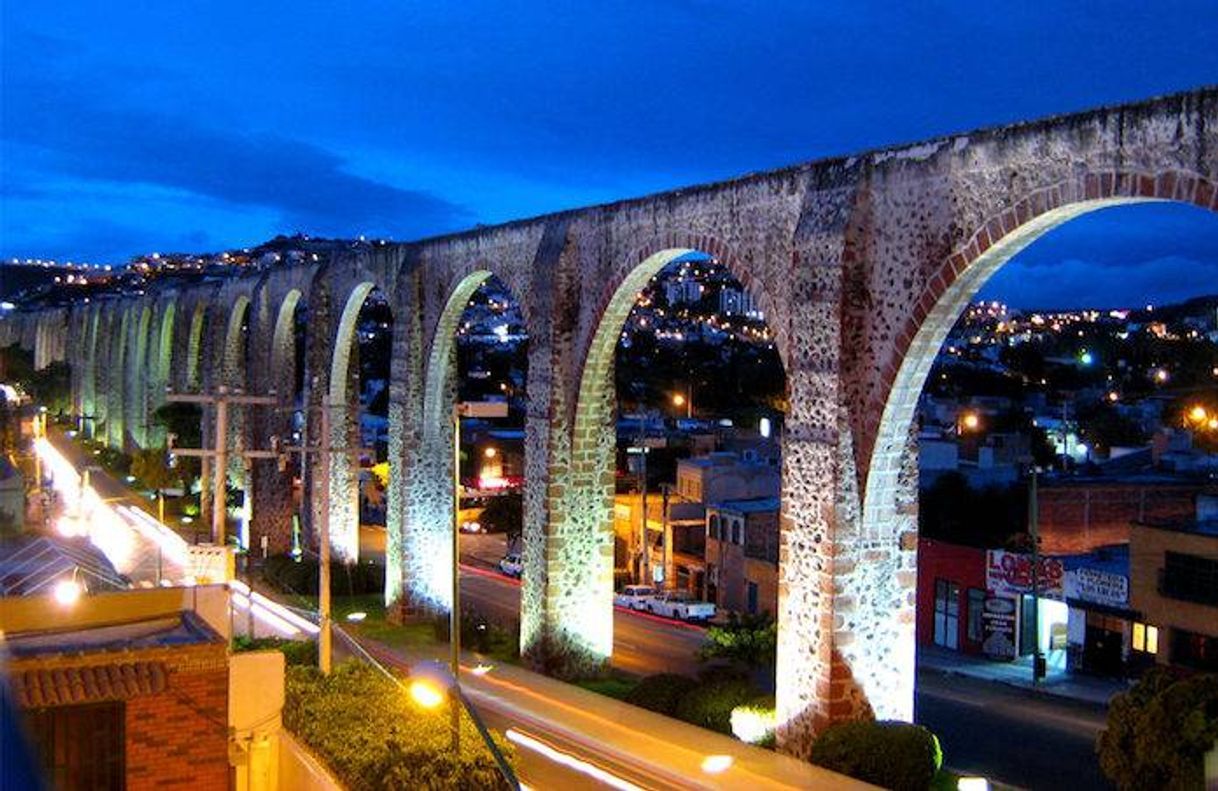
x=586, y=553
x=343, y=481
x=890, y=490
x=194, y=347
x=283, y=351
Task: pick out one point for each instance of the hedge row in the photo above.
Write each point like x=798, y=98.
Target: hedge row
x=364, y=726
x=897, y=755
x=295, y=652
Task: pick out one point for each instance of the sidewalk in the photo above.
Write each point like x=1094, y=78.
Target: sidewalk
x=1018, y=673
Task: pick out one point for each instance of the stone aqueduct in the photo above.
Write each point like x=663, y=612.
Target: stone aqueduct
x=861, y=265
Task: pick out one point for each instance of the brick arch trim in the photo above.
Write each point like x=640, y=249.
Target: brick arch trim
x=993, y=243
x=690, y=242
x=439, y=357
x=1176, y=186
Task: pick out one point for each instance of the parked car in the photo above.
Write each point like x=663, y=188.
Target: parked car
x=682, y=606
x=635, y=597
x=512, y=565
x=471, y=526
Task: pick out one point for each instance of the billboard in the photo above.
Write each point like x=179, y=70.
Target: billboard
x=1010, y=574
x=998, y=627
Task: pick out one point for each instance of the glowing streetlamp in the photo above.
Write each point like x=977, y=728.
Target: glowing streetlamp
x=1198, y=414
x=490, y=453
x=430, y=684
x=425, y=693
x=970, y=421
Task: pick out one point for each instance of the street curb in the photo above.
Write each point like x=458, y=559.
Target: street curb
x=1046, y=692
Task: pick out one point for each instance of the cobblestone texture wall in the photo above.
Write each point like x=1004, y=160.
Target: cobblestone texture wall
x=861, y=265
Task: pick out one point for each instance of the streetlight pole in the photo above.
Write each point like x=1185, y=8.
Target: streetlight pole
x=645, y=551
x=325, y=636
x=486, y=409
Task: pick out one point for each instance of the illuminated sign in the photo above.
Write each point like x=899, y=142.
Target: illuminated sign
x=1010, y=574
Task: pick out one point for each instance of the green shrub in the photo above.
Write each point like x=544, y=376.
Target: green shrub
x=710, y=705
x=295, y=652
x=365, y=728
x=749, y=641
x=1158, y=732
x=662, y=692
x=897, y=755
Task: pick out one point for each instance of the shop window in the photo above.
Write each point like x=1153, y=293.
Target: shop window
x=976, y=607
x=714, y=526
x=1145, y=638
x=947, y=613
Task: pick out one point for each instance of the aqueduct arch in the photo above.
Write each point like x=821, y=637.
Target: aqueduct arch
x=861, y=262
x=343, y=471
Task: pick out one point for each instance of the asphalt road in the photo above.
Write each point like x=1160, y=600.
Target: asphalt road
x=1016, y=736
x=642, y=644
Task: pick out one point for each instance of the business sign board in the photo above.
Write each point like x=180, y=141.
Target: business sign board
x=998, y=616
x=1097, y=586
x=1010, y=574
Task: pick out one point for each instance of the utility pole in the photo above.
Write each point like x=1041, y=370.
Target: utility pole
x=1038, y=661
x=645, y=551
x=219, y=451
x=666, y=490
x=325, y=635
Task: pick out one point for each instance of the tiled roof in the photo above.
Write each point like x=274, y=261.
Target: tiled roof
x=88, y=684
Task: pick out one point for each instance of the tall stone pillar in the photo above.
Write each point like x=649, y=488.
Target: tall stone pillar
x=272, y=368
x=408, y=564
x=567, y=597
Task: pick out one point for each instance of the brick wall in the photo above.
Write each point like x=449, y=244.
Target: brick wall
x=179, y=738
x=1078, y=518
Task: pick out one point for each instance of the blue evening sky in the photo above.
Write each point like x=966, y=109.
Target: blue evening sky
x=148, y=125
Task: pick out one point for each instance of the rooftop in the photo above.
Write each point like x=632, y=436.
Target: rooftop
x=186, y=628
x=752, y=505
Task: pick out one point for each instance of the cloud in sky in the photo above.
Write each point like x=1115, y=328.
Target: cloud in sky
x=1115, y=257
x=152, y=124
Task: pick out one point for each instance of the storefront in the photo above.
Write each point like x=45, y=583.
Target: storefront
x=1106, y=636
x=1025, y=608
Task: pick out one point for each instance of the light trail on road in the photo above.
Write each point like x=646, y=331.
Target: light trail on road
x=118, y=530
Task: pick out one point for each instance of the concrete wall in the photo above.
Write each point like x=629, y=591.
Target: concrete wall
x=1147, y=548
